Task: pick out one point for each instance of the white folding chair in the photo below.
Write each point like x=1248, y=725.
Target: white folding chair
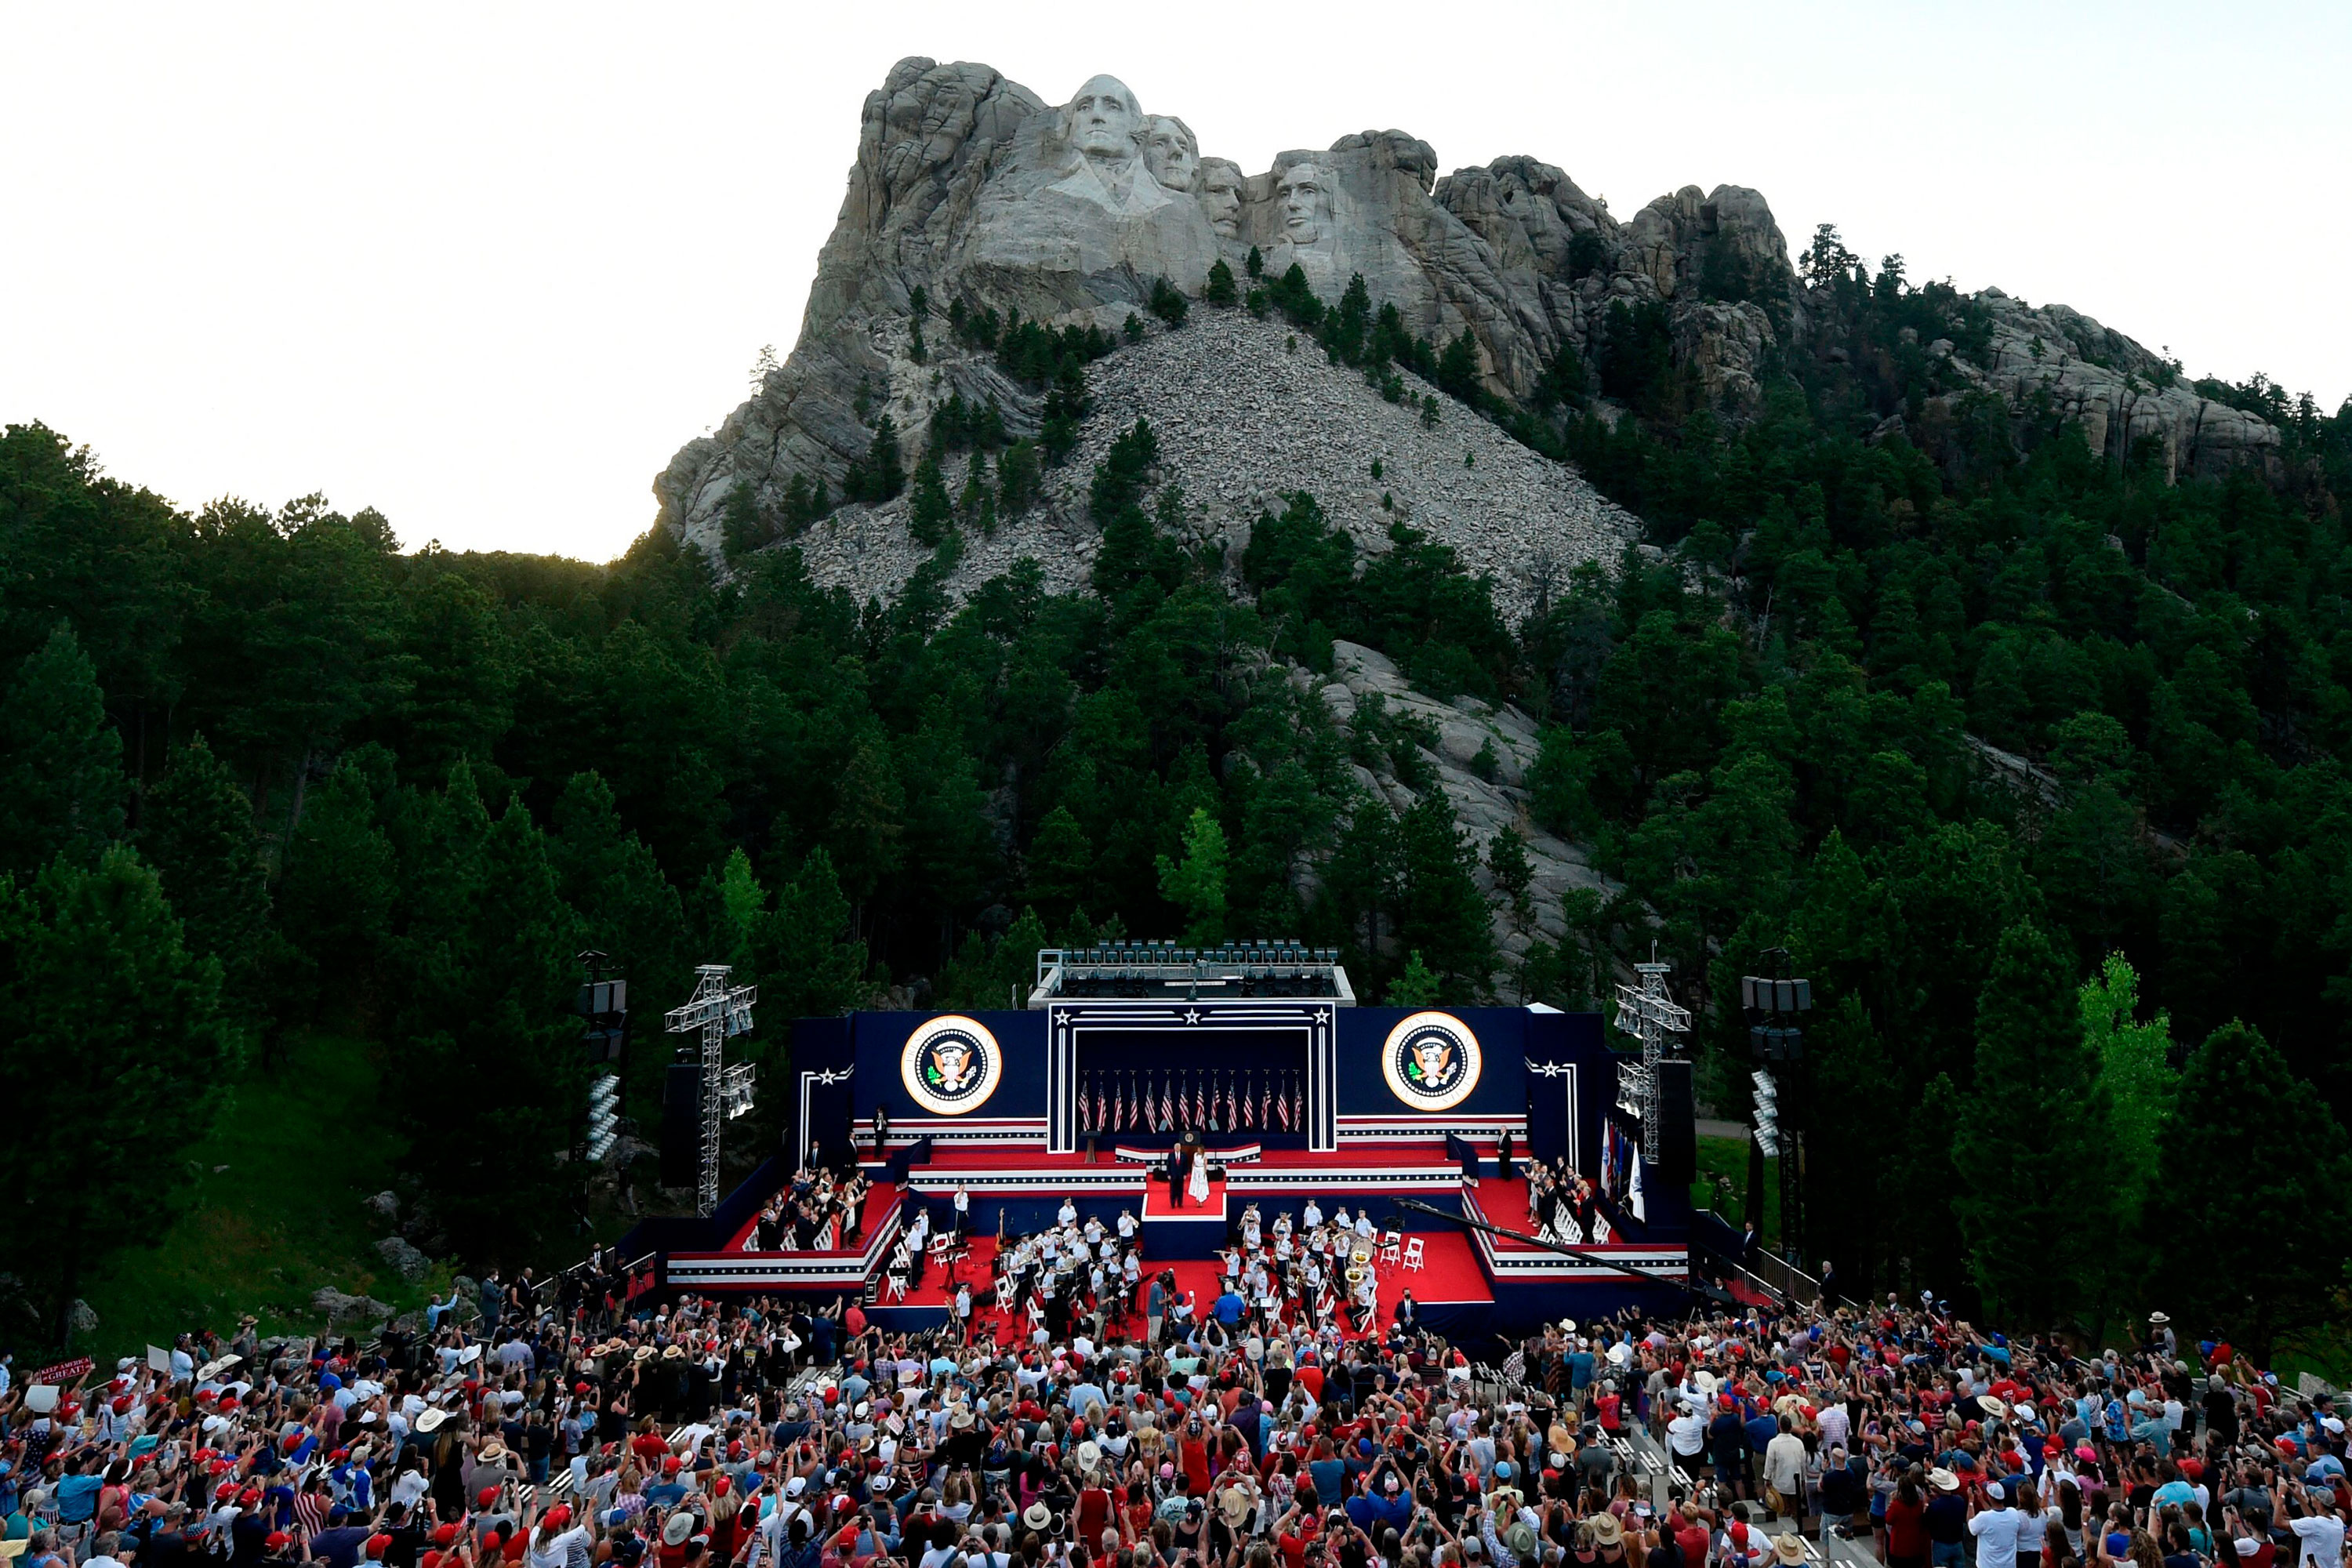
x=898, y=1286
x=1413, y=1258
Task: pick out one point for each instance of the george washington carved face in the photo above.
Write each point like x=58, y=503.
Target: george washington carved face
x=1104, y=121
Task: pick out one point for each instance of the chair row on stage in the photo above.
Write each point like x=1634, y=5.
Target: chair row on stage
x=1191, y=1100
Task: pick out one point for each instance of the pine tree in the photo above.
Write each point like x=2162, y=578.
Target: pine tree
x=2136, y=1064
x=2256, y=1217
x=809, y=961
x=197, y=832
x=1256, y=263
x=1060, y=864
x=628, y=910
x=1221, y=289
x=336, y=891
x=931, y=516
x=1442, y=913
x=1197, y=885
x=1506, y=862
x=61, y=784
x=2036, y=1196
x=1416, y=986
x=884, y=476
x=487, y=975
x=110, y=1032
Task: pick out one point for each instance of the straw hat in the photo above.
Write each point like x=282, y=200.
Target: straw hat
x=1037, y=1516
x=1607, y=1530
x=1991, y=1406
x=1789, y=1548
x=1943, y=1481
x=1236, y=1502
x=431, y=1420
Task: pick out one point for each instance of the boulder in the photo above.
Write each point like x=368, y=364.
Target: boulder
x=385, y=1206
x=340, y=1308
x=405, y=1258
x=81, y=1321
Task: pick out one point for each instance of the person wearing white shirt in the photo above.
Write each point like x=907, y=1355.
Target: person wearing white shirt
x=1069, y=1211
x=1995, y=1530
x=1313, y=1215
x=2320, y=1533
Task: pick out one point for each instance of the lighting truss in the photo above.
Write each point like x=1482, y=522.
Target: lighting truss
x=1650, y=1016
x=716, y=1011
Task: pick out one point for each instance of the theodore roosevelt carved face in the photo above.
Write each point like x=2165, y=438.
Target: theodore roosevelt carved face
x=1219, y=188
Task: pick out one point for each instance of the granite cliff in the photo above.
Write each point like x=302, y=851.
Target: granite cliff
x=969, y=190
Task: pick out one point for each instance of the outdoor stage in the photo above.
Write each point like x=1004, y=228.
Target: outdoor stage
x=1077, y=1100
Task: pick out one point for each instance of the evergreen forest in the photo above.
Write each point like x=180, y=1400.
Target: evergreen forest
x=2031, y=757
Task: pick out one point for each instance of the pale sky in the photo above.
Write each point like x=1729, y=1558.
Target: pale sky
x=486, y=267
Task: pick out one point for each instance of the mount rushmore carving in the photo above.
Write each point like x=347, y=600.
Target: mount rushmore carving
x=971, y=189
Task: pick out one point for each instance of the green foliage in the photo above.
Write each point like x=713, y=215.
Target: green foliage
x=1256, y=263
x=1169, y=305
x=1416, y=986
x=111, y=1027
x=61, y=786
x=197, y=831
x=2034, y=1138
x=1196, y=884
x=1221, y=287
x=930, y=515
x=2254, y=1278
x=2136, y=1065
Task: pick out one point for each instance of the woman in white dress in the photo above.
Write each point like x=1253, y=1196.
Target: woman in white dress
x=1198, y=1188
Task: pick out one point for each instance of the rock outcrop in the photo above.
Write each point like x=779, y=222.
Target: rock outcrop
x=970, y=190
x=1485, y=799
x=1244, y=414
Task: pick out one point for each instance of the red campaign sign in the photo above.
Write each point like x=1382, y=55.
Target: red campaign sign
x=63, y=1371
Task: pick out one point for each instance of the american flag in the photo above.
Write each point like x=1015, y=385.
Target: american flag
x=1265, y=1101
x=1200, y=1102
x=1167, y=1105
x=1118, y=1104
x=1102, y=1107
x=1282, y=1105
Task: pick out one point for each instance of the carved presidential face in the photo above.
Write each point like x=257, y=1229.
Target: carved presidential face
x=1305, y=195
x=1170, y=152
x=1219, y=188
x=1103, y=120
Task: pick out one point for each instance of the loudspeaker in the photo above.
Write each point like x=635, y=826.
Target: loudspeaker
x=1677, y=1154
x=681, y=1144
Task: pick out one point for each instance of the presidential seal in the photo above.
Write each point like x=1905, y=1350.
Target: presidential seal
x=1431, y=1060
x=951, y=1064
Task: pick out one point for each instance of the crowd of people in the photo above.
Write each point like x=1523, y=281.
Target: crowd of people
x=819, y=1210
x=568, y=1426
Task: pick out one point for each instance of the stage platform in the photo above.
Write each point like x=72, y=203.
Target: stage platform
x=1372, y=1108
x=1449, y=1289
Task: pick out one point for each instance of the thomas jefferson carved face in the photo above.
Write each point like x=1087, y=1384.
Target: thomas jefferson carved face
x=1305, y=194
x=1170, y=152
x=1219, y=188
x=1102, y=121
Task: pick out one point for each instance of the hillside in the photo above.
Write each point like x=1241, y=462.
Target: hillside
x=1244, y=416
x=1964, y=658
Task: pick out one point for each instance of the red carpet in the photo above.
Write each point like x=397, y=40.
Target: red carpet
x=1157, y=1205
